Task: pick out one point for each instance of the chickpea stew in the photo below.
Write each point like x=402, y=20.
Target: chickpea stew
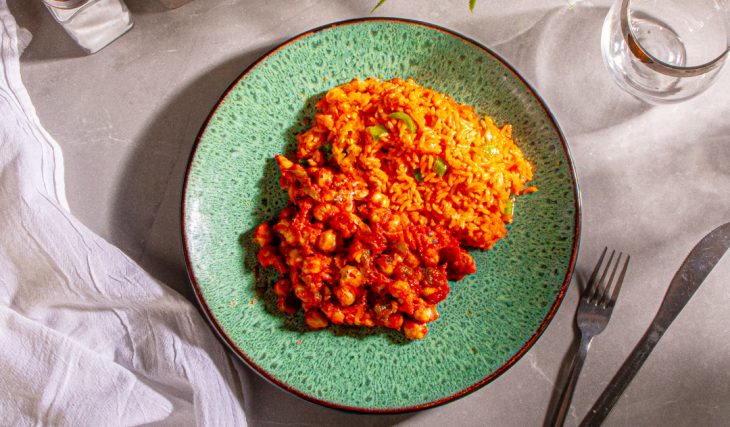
x=386, y=190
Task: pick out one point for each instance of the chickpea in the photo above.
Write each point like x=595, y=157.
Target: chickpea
x=311, y=192
x=360, y=194
x=344, y=224
x=384, y=309
x=340, y=260
x=359, y=190
x=262, y=235
x=430, y=257
x=323, y=211
x=378, y=215
x=300, y=290
x=358, y=252
x=284, y=230
x=286, y=305
x=294, y=258
x=401, y=247
x=316, y=320
x=284, y=163
x=299, y=172
x=337, y=316
x=395, y=321
x=426, y=314
x=380, y=200
x=313, y=265
x=363, y=317
x=333, y=312
x=351, y=276
x=329, y=195
x=292, y=191
x=414, y=330
x=268, y=257
x=345, y=294
x=386, y=264
x=324, y=177
x=307, y=279
x=367, y=322
x=282, y=287
x=327, y=241
x=394, y=223
x=313, y=302
x=399, y=287
x=407, y=304
x=412, y=260
x=428, y=291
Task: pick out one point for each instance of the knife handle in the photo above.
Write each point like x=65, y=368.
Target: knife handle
x=623, y=377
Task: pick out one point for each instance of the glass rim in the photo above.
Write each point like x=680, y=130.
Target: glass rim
x=657, y=64
x=65, y=4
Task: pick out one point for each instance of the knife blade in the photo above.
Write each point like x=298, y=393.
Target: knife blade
x=693, y=271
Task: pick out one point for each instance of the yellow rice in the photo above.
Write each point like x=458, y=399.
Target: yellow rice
x=484, y=167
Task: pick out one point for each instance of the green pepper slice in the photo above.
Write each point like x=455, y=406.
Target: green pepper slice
x=405, y=118
x=491, y=148
x=417, y=174
x=509, y=207
x=440, y=167
x=327, y=151
x=376, y=131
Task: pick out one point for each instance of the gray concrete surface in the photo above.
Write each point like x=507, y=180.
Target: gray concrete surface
x=654, y=181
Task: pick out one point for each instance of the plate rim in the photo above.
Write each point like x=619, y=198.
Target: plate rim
x=241, y=355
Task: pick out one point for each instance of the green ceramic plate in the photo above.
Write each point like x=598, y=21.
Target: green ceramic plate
x=489, y=320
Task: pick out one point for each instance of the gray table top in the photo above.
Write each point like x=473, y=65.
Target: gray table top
x=654, y=180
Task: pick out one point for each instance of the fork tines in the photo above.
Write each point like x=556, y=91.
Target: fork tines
x=597, y=291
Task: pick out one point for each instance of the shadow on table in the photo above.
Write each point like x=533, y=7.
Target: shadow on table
x=267, y=405
x=33, y=16
x=561, y=43
x=151, y=186
x=560, y=54
x=581, y=280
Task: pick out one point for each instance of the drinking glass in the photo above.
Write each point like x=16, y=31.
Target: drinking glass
x=664, y=51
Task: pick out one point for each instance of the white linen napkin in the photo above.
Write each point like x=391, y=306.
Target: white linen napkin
x=86, y=336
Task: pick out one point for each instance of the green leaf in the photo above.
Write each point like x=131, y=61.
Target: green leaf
x=440, y=167
x=376, y=131
x=405, y=118
x=472, y=3
x=380, y=3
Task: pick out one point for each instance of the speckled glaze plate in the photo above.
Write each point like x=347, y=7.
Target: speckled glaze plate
x=489, y=320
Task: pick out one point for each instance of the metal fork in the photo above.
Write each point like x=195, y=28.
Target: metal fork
x=594, y=311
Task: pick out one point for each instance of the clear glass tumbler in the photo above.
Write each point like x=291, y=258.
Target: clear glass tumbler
x=664, y=51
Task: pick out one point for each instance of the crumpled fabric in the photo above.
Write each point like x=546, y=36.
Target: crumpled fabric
x=87, y=338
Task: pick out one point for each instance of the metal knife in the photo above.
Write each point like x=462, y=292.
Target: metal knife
x=686, y=281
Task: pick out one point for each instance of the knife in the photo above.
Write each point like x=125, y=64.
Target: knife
x=693, y=271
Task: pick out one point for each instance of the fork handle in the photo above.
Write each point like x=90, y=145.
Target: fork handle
x=567, y=395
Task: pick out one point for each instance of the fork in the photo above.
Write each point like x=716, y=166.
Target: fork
x=594, y=311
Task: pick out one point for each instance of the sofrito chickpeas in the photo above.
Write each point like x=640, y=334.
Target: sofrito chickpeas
x=344, y=257
x=386, y=188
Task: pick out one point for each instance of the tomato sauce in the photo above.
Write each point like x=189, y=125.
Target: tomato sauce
x=345, y=257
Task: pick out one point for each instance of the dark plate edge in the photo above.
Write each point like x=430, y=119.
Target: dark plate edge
x=525, y=347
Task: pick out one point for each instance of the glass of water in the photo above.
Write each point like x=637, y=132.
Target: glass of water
x=664, y=51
